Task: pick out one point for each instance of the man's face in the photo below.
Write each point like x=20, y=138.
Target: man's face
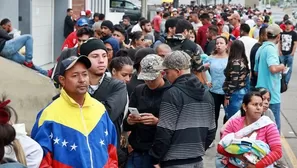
x=105, y=31
x=210, y=15
x=99, y=62
x=119, y=36
x=82, y=39
x=171, y=74
x=172, y=30
x=174, y=14
x=288, y=27
x=193, y=18
x=70, y=13
x=76, y=80
x=147, y=27
x=7, y=27
x=96, y=18
x=259, y=22
x=154, y=84
x=162, y=52
x=126, y=22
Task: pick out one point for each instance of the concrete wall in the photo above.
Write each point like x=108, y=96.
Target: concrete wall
x=42, y=31
x=59, y=17
x=28, y=91
x=9, y=9
x=25, y=15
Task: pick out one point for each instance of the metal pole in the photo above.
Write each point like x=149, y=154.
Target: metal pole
x=144, y=8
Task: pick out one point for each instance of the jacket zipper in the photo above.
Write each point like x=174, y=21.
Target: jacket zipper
x=88, y=144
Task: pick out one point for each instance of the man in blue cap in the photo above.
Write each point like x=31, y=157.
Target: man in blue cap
x=71, y=40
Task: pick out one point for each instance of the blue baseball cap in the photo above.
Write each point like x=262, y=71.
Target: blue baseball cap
x=82, y=22
x=71, y=61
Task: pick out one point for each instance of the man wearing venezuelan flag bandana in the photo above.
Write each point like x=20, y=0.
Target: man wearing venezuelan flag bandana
x=75, y=129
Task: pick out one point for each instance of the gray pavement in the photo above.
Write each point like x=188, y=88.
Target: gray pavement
x=288, y=126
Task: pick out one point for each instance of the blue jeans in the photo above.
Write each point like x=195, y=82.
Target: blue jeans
x=235, y=102
x=12, y=47
x=139, y=160
x=275, y=108
x=287, y=60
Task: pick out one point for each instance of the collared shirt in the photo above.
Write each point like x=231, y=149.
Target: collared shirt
x=92, y=88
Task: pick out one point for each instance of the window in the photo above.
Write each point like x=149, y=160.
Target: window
x=129, y=5
x=116, y=4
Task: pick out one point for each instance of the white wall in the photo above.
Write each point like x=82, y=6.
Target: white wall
x=42, y=31
x=10, y=9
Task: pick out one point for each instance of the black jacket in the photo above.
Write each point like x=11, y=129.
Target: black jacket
x=134, y=82
x=186, y=124
x=178, y=42
x=112, y=94
x=68, y=26
x=3, y=38
x=146, y=101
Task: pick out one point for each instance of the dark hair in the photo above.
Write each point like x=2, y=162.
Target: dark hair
x=7, y=132
x=101, y=16
x=170, y=23
x=166, y=14
x=141, y=19
x=126, y=17
x=261, y=90
x=122, y=53
x=213, y=29
x=120, y=29
x=204, y=16
x=119, y=62
x=220, y=37
x=144, y=22
x=96, y=15
x=140, y=54
x=245, y=28
x=69, y=9
x=247, y=99
x=250, y=17
x=262, y=35
x=237, y=52
x=183, y=25
x=85, y=31
x=4, y=21
x=135, y=36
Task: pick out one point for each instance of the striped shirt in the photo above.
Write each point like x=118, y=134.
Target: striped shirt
x=268, y=134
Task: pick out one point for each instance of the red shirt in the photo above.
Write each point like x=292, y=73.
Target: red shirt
x=236, y=31
x=70, y=41
x=201, y=38
x=157, y=23
x=283, y=27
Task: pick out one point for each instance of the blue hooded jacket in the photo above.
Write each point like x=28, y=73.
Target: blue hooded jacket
x=114, y=44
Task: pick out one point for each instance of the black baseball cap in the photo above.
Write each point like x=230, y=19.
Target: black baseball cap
x=71, y=61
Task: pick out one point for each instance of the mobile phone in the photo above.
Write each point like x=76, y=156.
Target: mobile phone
x=134, y=111
x=287, y=70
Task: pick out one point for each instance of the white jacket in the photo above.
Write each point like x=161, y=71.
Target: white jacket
x=32, y=149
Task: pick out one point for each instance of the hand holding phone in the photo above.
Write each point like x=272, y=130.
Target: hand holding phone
x=134, y=111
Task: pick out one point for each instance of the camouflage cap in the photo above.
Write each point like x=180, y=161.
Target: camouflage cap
x=147, y=64
x=176, y=60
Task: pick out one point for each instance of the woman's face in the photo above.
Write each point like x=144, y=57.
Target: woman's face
x=266, y=101
x=221, y=45
x=124, y=74
x=109, y=51
x=254, y=109
x=140, y=42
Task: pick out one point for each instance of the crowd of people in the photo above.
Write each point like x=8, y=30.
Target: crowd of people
x=150, y=94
